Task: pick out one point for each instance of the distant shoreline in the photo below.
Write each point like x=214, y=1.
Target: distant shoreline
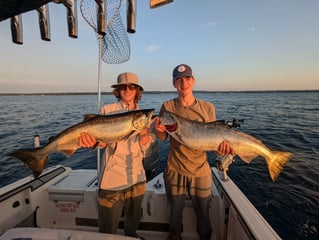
x=150, y=92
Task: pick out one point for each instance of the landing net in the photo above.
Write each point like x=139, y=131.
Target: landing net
x=115, y=43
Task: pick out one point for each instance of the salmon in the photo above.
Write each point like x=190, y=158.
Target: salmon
x=106, y=128
x=208, y=136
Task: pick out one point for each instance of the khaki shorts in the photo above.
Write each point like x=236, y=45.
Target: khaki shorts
x=177, y=184
x=108, y=198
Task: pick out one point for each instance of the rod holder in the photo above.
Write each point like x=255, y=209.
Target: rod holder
x=44, y=22
x=223, y=165
x=159, y=3
x=16, y=29
x=130, y=16
x=100, y=17
x=71, y=15
x=36, y=141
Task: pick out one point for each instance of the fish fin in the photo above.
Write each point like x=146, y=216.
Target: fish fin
x=87, y=117
x=277, y=162
x=247, y=157
x=33, y=158
x=68, y=152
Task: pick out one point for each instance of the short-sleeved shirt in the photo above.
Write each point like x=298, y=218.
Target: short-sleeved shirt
x=123, y=160
x=187, y=161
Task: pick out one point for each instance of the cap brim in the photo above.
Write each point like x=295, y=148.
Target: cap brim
x=182, y=76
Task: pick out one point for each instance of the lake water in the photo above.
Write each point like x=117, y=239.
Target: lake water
x=282, y=120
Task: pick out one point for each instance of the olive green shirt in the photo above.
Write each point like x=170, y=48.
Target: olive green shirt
x=182, y=159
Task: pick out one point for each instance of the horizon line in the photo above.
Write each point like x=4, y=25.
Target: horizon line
x=155, y=92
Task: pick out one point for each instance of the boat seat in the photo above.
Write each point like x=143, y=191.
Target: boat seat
x=73, y=187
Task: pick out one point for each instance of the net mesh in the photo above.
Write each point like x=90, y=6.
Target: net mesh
x=115, y=43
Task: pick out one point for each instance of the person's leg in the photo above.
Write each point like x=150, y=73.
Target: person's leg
x=201, y=207
x=133, y=208
x=177, y=204
x=175, y=185
x=110, y=209
x=200, y=191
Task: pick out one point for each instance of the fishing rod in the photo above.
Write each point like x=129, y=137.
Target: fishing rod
x=234, y=123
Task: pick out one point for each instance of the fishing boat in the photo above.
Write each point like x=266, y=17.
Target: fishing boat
x=62, y=202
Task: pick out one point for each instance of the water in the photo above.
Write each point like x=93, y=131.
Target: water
x=283, y=120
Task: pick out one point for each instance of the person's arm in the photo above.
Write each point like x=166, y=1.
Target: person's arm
x=87, y=140
x=160, y=130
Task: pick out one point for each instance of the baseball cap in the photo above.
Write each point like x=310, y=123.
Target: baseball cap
x=127, y=79
x=182, y=70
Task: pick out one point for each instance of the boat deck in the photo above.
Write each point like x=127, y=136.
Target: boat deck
x=60, y=234
x=57, y=234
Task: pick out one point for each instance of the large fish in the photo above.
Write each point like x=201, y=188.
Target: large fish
x=106, y=128
x=208, y=136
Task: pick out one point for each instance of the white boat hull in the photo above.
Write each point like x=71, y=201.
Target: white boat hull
x=66, y=199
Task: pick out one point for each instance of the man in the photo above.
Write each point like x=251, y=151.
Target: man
x=123, y=182
x=188, y=170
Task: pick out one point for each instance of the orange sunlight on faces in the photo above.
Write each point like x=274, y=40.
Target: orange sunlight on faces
x=127, y=93
x=184, y=83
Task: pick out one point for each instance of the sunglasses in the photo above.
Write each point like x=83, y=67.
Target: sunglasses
x=130, y=87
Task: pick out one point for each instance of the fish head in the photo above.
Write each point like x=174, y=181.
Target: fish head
x=169, y=120
x=142, y=119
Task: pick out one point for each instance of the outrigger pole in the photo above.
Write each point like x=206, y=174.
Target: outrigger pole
x=100, y=32
x=100, y=38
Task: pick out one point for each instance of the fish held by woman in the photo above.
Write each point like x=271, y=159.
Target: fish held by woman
x=207, y=137
x=106, y=128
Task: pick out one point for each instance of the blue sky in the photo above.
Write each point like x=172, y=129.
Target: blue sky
x=230, y=44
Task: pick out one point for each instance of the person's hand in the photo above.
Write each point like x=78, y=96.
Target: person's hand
x=87, y=140
x=157, y=125
x=144, y=137
x=225, y=149
x=160, y=129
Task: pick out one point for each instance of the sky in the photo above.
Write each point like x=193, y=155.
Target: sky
x=231, y=45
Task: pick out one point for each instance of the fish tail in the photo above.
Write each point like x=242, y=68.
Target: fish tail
x=35, y=159
x=277, y=162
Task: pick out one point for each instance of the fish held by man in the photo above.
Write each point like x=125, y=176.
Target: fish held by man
x=105, y=128
x=207, y=137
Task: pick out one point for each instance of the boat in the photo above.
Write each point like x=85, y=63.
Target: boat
x=62, y=202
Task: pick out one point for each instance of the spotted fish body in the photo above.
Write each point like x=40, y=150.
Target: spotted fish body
x=105, y=128
x=208, y=136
